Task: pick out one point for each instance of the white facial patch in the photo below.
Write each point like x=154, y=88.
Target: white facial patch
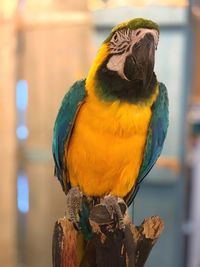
x=121, y=45
x=116, y=63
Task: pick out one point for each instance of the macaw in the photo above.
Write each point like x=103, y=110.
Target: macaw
x=111, y=126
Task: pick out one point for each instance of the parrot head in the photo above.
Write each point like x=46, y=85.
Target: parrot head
x=124, y=66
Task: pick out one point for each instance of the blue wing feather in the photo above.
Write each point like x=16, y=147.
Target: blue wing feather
x=155, y=139
x=63, y=125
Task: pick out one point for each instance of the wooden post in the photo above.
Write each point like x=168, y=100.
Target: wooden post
x=109, y=246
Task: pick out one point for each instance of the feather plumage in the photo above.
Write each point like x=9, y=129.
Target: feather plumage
x=66, y=120
x=63, y=126
x=155, y=138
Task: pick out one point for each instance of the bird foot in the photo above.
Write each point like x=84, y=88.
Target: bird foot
x=116, y=208
x=110, y=211
x=74, y=206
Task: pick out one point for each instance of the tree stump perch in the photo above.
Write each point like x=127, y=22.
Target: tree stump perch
x=109, y=246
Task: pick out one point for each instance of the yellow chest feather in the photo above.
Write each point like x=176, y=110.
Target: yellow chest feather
x=106, y=147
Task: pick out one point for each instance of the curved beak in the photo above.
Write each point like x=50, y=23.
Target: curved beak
x=139, y=65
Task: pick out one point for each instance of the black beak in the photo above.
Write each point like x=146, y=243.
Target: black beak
x=140, y=64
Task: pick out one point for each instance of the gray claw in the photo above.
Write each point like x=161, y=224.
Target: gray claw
x=112, y=205
x=74, y=205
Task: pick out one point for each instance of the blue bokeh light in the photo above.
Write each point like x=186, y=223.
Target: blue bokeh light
x=22, y=132
x=22, y=193
x=22, y=95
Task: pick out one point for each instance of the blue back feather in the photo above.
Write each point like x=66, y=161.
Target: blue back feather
x=63, y=126
x=155, y=139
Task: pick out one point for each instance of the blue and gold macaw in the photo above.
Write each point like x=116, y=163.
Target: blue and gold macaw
x=111, y=127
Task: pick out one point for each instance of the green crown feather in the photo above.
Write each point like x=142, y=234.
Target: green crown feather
x=134, y=24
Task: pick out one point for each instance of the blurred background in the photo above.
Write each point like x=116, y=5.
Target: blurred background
x=44, y=47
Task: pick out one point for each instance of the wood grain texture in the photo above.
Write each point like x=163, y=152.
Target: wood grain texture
x=109, y=246
x=145, y=237
x=67, y=246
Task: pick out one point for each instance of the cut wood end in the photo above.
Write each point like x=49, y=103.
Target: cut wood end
x=62, y=220
x=152, y=227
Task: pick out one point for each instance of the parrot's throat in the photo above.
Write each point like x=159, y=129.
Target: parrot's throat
x=110, y=86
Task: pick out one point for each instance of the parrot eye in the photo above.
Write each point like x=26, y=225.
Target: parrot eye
x=115, y=37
